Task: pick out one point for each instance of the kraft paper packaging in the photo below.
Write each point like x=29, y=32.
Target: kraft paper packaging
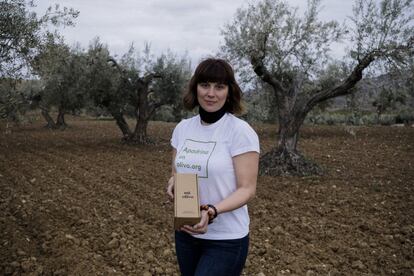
x=186, y=200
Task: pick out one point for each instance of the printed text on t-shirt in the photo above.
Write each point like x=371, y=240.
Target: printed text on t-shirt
x=194, y=157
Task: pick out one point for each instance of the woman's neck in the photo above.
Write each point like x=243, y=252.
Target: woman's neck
x=208, y=118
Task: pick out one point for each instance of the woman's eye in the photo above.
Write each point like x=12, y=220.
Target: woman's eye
x=204, y=84
x=220, y=86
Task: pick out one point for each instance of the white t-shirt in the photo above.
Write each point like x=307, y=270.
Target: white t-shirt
x=207, y=150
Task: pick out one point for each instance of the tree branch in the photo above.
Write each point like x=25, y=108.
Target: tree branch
x=345, y=87
x=115, y=64
x=356, y=75
x=149, y=77
x=260, y=69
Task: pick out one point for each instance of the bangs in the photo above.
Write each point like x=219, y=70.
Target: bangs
x=214, y=72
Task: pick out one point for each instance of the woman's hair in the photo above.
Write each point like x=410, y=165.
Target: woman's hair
x=215, y=70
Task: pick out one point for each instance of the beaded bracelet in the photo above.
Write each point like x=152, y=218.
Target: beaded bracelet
x=215, y=210
x=205, y=208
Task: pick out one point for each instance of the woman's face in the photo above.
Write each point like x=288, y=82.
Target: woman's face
x=212, y=95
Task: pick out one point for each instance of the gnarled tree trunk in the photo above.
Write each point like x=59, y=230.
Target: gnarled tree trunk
x=143, y=107
x=140, y=133
x=49, y=120
x=60, y=120
x=143, y=114
x=122, y=124
x=285, y=159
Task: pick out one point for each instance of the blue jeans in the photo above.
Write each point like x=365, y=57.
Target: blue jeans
x=200, y=257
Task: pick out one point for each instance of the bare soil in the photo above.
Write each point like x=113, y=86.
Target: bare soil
x=79, y=202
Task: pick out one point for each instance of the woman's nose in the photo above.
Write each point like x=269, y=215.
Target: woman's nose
x=210, y=91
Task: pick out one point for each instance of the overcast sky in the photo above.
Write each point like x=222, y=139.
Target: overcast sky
x=191, y=26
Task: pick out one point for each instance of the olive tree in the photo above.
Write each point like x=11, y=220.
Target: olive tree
x=21, y=33
x=152, y=82
x=289, y=52
x=137, y=82
x=104, y=85
x=12, y=103
x=175, y=73
x=62, y=72
x=388, y=98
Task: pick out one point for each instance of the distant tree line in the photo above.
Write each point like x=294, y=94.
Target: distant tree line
x=282, y=56
x=72, y=80
x=38, y=70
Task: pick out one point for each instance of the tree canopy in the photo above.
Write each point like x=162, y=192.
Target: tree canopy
x=137, y=84
x=290, y=52
x=62, y=71
x=22, y=31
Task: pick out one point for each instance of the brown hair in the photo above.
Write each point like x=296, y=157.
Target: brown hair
x=214, y=70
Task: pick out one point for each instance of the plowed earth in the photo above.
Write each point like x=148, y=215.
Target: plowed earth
x=79, y=202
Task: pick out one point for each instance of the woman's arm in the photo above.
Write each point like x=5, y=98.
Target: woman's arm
x=170, y=184
x=246, y=167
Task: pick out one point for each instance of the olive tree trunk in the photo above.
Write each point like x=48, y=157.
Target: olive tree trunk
x=60, y=120
x=50, y=123
x=143, y=114
x=122, y=124
x=285, y=158
x=144, y=108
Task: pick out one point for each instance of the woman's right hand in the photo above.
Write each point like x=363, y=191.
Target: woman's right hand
x=199, y=228
x=170, y=188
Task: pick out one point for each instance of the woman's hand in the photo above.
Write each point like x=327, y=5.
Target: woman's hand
x=170, y=184
x=199, y=228
x=170, y=188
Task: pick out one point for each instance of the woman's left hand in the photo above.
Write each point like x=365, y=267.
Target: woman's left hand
x=199, y=228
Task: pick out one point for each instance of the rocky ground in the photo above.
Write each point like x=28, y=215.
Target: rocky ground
x=79, y=202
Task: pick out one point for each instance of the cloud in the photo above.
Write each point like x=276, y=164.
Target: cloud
x=182, y=26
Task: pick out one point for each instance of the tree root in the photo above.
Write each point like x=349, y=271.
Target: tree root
x=282, y=162
x=56, y=127
x=138, y=141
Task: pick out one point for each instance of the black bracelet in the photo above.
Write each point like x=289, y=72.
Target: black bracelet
x=205, y=208
x=215, y=210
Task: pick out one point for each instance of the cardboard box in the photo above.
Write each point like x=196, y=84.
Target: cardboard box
x=186, y=200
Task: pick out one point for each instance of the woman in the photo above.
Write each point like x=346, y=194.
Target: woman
x=224, y=152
